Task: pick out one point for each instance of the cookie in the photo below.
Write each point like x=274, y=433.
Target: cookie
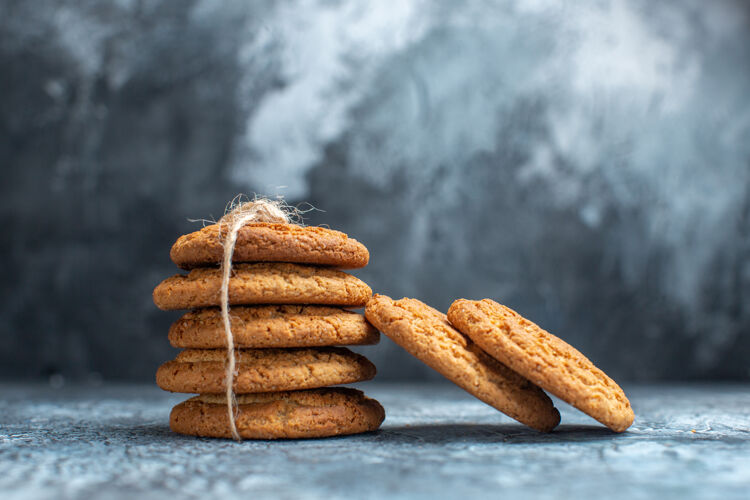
x=426, y=334
x=273, y=326
x=264, y=283
x=271, y=242
x=544, y=359
x=202, y=371
x=280, y=415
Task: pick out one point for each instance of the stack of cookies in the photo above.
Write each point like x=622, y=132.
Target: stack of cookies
x=289, y=320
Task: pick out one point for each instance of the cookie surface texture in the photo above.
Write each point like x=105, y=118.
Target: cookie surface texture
x=202, y=371
x=544, y=359
x=264, y=283
x=273, y=326
x=271, y=242
x=280, y=415
x=426, y=334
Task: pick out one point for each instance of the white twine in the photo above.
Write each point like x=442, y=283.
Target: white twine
x=239, y=214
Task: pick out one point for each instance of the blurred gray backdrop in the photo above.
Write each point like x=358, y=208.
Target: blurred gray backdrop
x=587, y=163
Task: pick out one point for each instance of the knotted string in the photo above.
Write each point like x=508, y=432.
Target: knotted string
x=238, y=214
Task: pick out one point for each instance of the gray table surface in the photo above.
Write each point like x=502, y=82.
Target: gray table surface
x=113, y=441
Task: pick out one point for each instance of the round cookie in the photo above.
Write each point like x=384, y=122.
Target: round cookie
x=262, y=283
x=203, y=371
x=280, y=415
x=271, y=242
x=544, y=359
x=273, y=326
x=426, y=334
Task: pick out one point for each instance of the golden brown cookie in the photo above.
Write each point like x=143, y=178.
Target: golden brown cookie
x=271, y=242
x=544, y=359
x=280, y=415
x=427, y=335
x=273, y=326
x=202, y=371
x=264, y=283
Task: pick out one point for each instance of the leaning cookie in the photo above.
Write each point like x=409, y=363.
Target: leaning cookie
x=273, y=326
x=544, y=359
x=426, y=334
x=280, y=415
x=263, y=283
x=203, y=371
x=271, y=242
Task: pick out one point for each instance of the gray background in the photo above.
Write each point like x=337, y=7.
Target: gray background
x=587, y=164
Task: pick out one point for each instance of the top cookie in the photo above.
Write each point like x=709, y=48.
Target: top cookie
x=426, y=334
x=271, y=242
x=544, y=359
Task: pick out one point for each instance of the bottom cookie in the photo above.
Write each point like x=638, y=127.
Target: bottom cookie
x=280, y=415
